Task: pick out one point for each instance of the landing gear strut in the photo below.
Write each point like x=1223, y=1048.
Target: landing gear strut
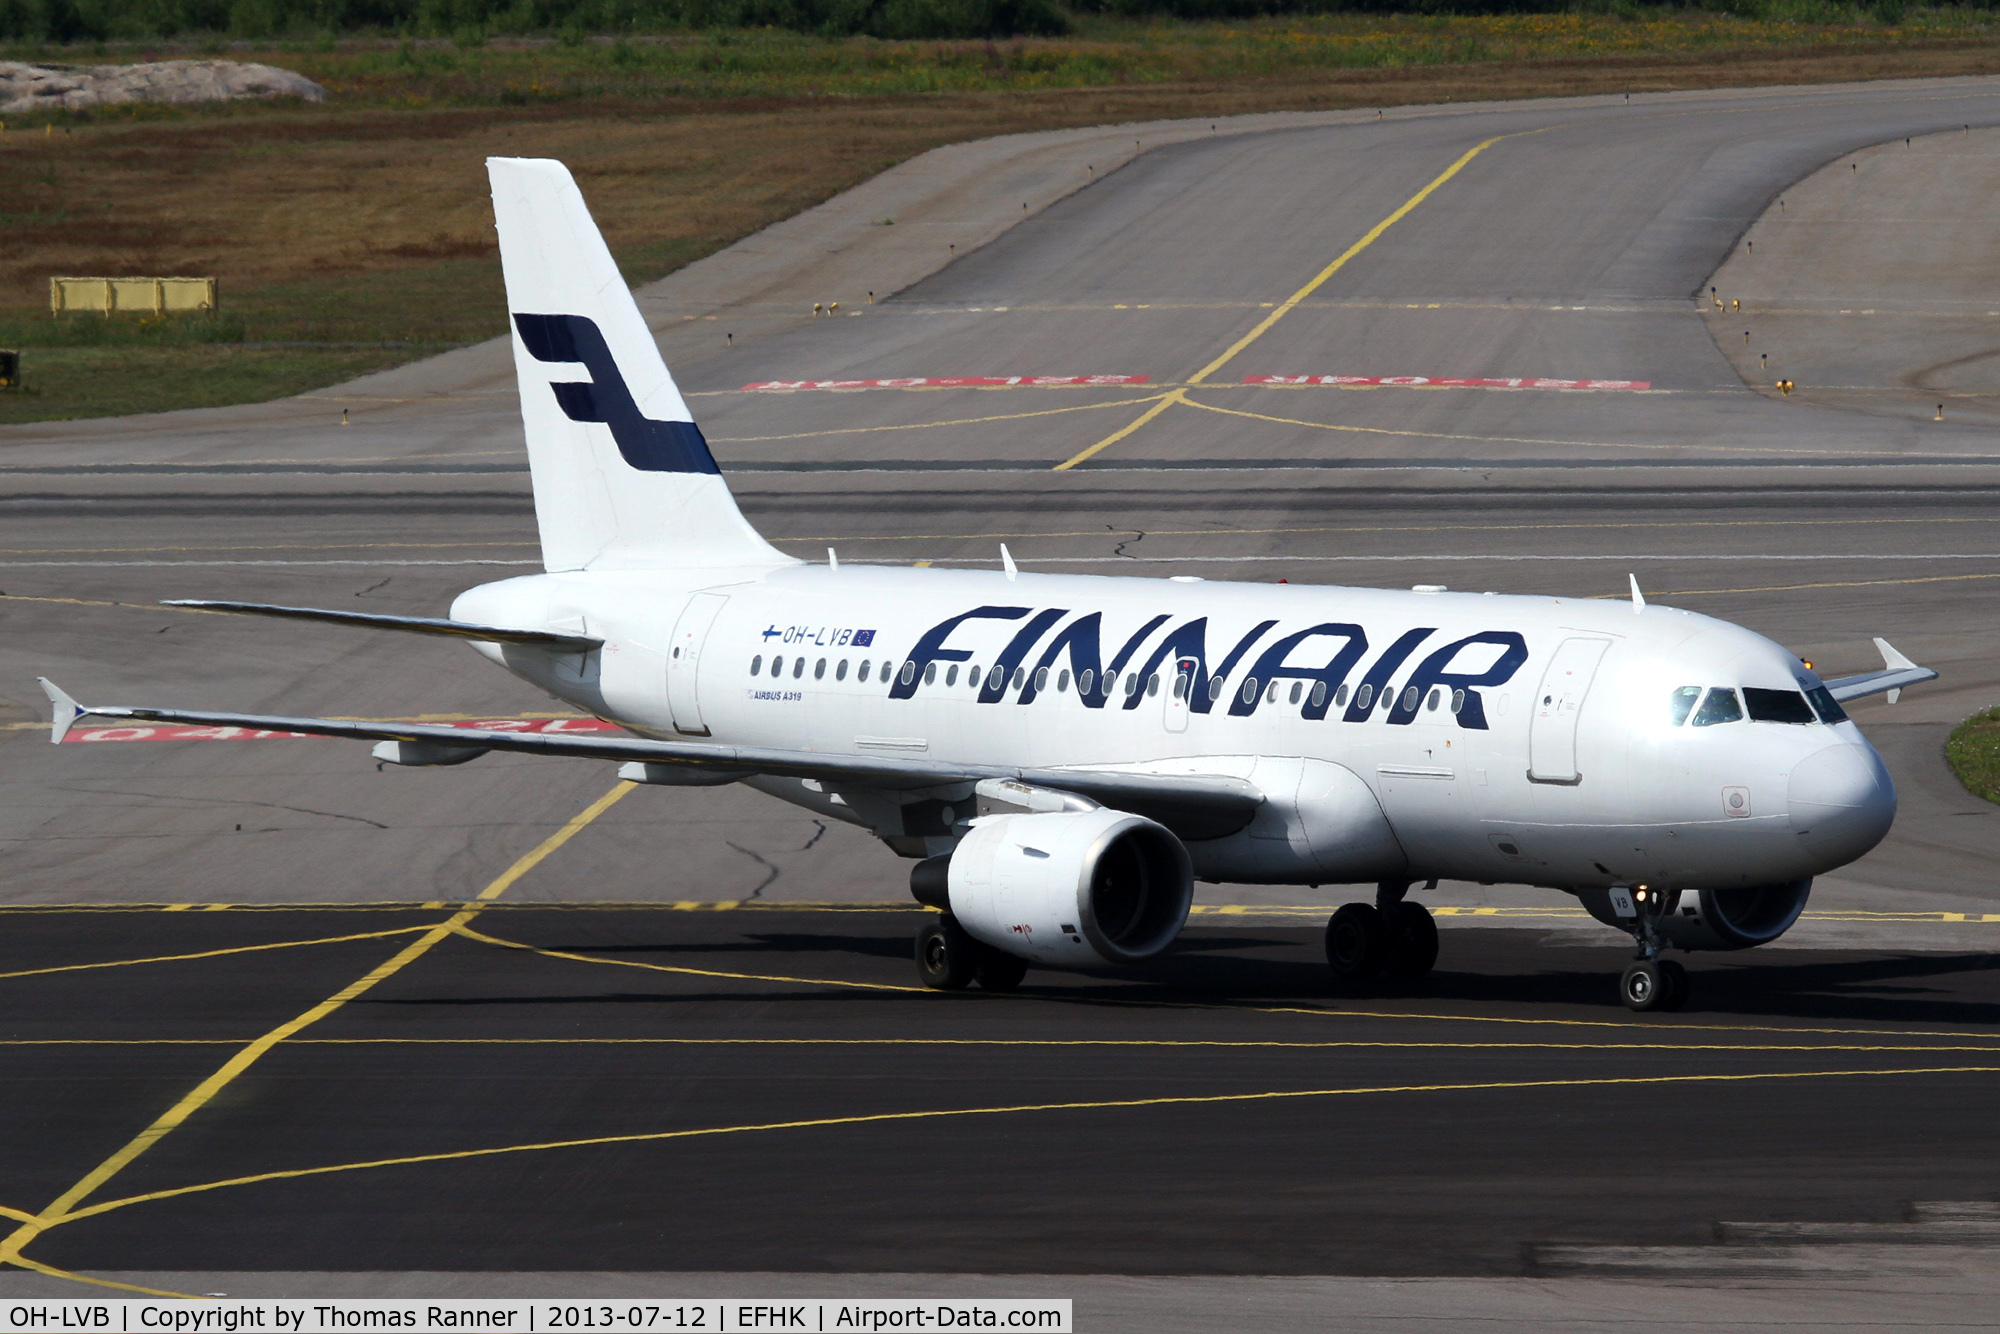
x=949, y=960
x=1651, y=983
x=1391, y=938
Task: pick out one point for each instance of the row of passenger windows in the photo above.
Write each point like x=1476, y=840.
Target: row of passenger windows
x=1721, y=704
x=1129, y=685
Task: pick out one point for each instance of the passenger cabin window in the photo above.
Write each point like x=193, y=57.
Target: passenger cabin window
x=1826, y=706
x=756, y=664
x=1719, y=707
x=865, y=664
x=1683, y=703
x=1776, y=706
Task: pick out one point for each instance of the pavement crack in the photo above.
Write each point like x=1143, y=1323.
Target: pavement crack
x=771, y=872
x=819, y=832
x=1138, y=535
x=222, y=801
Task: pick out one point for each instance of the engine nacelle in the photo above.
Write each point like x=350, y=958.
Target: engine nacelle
x=1067, y=887
x=1718, y=919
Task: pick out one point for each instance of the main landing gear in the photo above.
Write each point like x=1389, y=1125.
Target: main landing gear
x=1391, y=938
x=1651, y=983
x=950, y=960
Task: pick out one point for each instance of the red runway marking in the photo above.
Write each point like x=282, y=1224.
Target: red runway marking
x=952, y=382
x=1445, y=381
x=177, y=732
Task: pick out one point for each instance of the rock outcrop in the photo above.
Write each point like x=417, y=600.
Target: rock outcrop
x=25, y=87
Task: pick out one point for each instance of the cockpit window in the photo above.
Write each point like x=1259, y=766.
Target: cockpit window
x=1776, y=706
x=1719, y=707
x=1683, y=702
x=1826, y=706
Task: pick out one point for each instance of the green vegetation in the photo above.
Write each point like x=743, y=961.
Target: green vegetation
x=1973, y=751
x=470, y=22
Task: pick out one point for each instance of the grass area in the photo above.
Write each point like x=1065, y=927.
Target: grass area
x=363, y=222
x=1973, y=751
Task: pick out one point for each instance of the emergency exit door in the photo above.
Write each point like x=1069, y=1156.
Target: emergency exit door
x=684, y=662
x=1558, y=704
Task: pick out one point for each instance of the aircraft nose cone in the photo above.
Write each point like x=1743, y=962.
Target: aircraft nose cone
x=1842, y=803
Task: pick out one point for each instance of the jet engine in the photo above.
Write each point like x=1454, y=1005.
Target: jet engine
x=1064, y=887
x=1717, y=919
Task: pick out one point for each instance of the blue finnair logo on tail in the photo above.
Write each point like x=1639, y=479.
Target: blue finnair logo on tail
x=648, y=445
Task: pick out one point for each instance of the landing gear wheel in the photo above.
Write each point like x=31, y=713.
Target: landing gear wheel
x=1357, y=944
x=1676, y=979
x=946, y=956
x=999, y=971
x=1413, y=940
x=1646, y=986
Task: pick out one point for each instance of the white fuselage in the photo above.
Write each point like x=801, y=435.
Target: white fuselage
x=1543, y=749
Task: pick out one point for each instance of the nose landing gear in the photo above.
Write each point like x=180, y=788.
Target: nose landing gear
x=1651, y=983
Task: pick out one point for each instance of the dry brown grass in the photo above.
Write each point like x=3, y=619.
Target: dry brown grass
x=366, y=225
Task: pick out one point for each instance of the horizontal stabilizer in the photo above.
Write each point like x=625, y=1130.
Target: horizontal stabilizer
x=1193, y=806
x=419, y=625
x=1897, y=672
x=65, y=711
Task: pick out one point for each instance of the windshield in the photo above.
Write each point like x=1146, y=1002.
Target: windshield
x=1776, y=706
x=1719, y=707
x=1826, y=706
x=1683, y=703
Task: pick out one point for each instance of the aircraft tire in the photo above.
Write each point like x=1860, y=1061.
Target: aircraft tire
x=1357, y=944
x=946, y=956
x=1000, y=971
x=1413, y=940
x=1676, y=978
x=1645, y=987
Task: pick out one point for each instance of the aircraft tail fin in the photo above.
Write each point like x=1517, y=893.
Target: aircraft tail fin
x=623, y=478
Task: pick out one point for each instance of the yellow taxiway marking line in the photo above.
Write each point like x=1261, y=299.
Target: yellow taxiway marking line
x=1851, y=583
x=1642, y=1042
x=210, y=954
x=1512, y=912
x=882, y=1118
x=64, y=1205
x=273, y=546
x=1351, y=529
x=1286, y=306
x=481, y=936
x=51, y=1271
x=925, y=426
x=1538, y=440
x=18, y=1215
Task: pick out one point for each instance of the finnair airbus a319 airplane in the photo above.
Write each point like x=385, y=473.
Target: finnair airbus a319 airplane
x=1066, y=755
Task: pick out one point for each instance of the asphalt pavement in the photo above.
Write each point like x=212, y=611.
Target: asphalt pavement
x=1559, y=252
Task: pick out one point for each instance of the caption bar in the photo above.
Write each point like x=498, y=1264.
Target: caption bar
x=530, y=1317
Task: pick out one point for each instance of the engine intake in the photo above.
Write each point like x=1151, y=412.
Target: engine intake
x=1069, y=887
x=1717, y=919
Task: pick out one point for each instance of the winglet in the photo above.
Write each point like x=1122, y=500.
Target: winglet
x=1894, y=661
x=1890, y=658
x=65, y=711
x=1638, y=598
x=1007, y=563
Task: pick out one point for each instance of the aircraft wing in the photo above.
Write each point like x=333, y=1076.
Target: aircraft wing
x=421, y=625
x=1897, y=672
x=1198, y=806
